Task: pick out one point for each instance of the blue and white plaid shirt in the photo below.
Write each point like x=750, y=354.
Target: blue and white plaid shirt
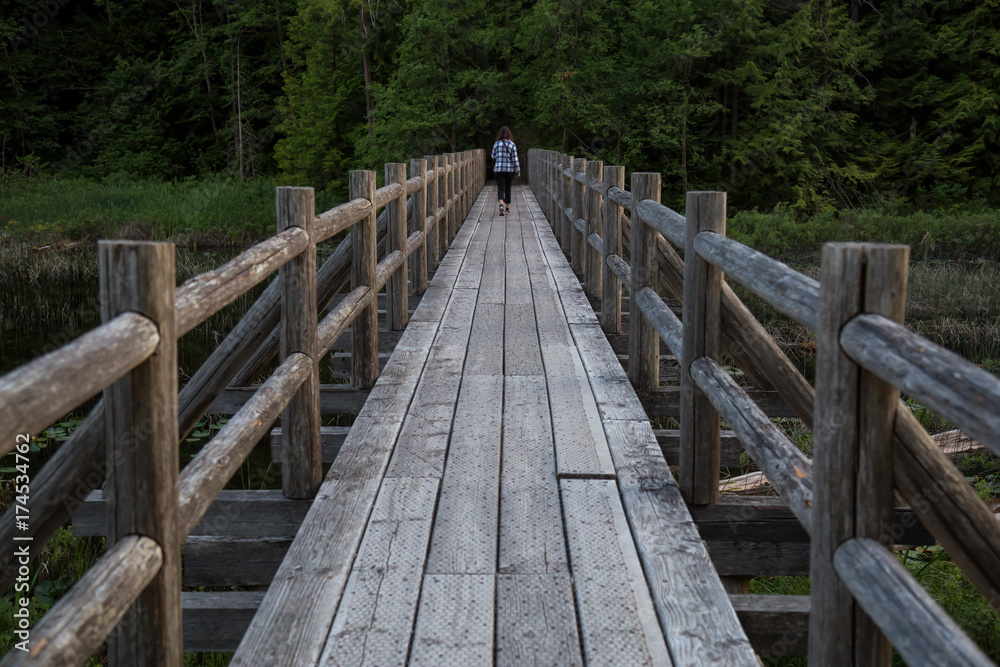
x=505, y=153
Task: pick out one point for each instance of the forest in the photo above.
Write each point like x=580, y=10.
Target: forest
x=814, y=105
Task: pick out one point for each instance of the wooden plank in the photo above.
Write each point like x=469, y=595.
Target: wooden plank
x=522, y=355
x=617, y=400
x=334, y=399
x=215, y=622
x=465, y=527
x=455, y=622
x=581, y=446
x=486, y=344
x=376, y=615
x=665, y=402
x=617, y=621
x=531, y=531
x=691, y=604
x=598, y=357
x=213, y=560
x=536, y=621
x=331, y=440
x=731, y=447
x=297, y=612
x=777, y=625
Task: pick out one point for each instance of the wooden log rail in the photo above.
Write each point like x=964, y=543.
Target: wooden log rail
x=843, y=499
x=153, y=505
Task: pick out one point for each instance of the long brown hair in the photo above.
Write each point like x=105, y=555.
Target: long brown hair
x=505, y=133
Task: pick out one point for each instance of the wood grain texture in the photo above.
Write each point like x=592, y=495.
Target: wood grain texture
x=79, y=623
x=455, y=622
x=644, y=342
x=334, y=399
x=618, y=624
x=141, y=433
x=297, y=612
x=420, y=221
x=536, y=621
x=777, y=625
x=34, y=395
x=578, y=204
x=215, y=622
x=592, y=207
x=302, y=472
x=936, y=377
x=918, y=628
x=396, y=287
x=211, y=469
x=363, y=273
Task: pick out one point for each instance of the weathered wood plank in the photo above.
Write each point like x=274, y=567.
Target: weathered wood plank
x=536, y=621
x=297, y=613
x=665, y=402
x=334, y=399
x=455, y=622
x=522, y=354
x=486, y=342
x=531, y=532
x=777, y=625
x=376, y=615
x=465, y=526
x=331, y=440
x=215, y=622
x=617, y=621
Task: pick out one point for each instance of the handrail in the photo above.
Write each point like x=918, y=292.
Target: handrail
x=127, y=340
x=43, y=390
x=896, y=358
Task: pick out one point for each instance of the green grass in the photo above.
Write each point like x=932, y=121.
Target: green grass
x=958, y=233
x=208, y=212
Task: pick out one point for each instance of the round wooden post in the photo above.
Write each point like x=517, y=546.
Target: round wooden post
x=443, y=204
x=364, y=354
x=644, y=342
x=565, y=224
x=555, y=194
x=396, y=294
x=431, y=242
x=452, y=197
x=418, y=168
x=611, y=231
x=852, y=464
x=302, y=469
x=699, y=437
x=140, y=416
x=593, y=267
x=579, y=245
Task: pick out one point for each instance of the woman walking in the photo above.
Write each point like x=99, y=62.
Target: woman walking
x=506, y=166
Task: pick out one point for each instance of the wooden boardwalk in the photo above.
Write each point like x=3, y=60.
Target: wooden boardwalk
x=501, y=497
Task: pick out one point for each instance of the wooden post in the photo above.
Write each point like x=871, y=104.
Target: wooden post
x=442, y=224
x=396, y=294
x=643, y=342
x=431, y=242
x=555, y=188
x=611, y=231
x=852, y=464
x=302, y=470
x=140, y=414
x=418, y=168
x=579, y=245
x=452, y=192
x=699, y=437
x=364, y=262
x=566, y=236
x=593, y=268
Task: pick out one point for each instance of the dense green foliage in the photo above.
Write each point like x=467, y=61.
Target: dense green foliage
x=819, y=104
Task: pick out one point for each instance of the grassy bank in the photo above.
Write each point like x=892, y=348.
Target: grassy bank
x=204, y=212
x=959, y=233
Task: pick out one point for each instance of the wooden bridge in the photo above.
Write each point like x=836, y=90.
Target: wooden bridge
x=501, y=496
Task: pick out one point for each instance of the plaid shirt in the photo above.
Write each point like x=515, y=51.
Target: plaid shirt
x=505, y=153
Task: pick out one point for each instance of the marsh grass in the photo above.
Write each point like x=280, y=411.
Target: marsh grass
x=192, y=212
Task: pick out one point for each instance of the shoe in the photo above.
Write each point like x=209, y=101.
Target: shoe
x=508, y=211
x=501, y=208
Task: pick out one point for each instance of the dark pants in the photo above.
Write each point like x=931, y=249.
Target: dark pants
x=504, y=181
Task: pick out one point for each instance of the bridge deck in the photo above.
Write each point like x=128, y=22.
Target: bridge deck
x=501, y=497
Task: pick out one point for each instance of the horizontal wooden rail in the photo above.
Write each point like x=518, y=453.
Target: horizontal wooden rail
x=334, y=324
x=339, y=218
x=79, y=623
x=918, y=628
x=787, y=290
x=386, y=266
x=668, y=222
x=595, y=242
x=204, y=295
x=940, y=379
x=661, y=317
x=784, y=464
x=41, y=391
x=208, y=473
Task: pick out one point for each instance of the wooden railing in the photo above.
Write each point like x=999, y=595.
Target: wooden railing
x=867, y=444
x=132, y=357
